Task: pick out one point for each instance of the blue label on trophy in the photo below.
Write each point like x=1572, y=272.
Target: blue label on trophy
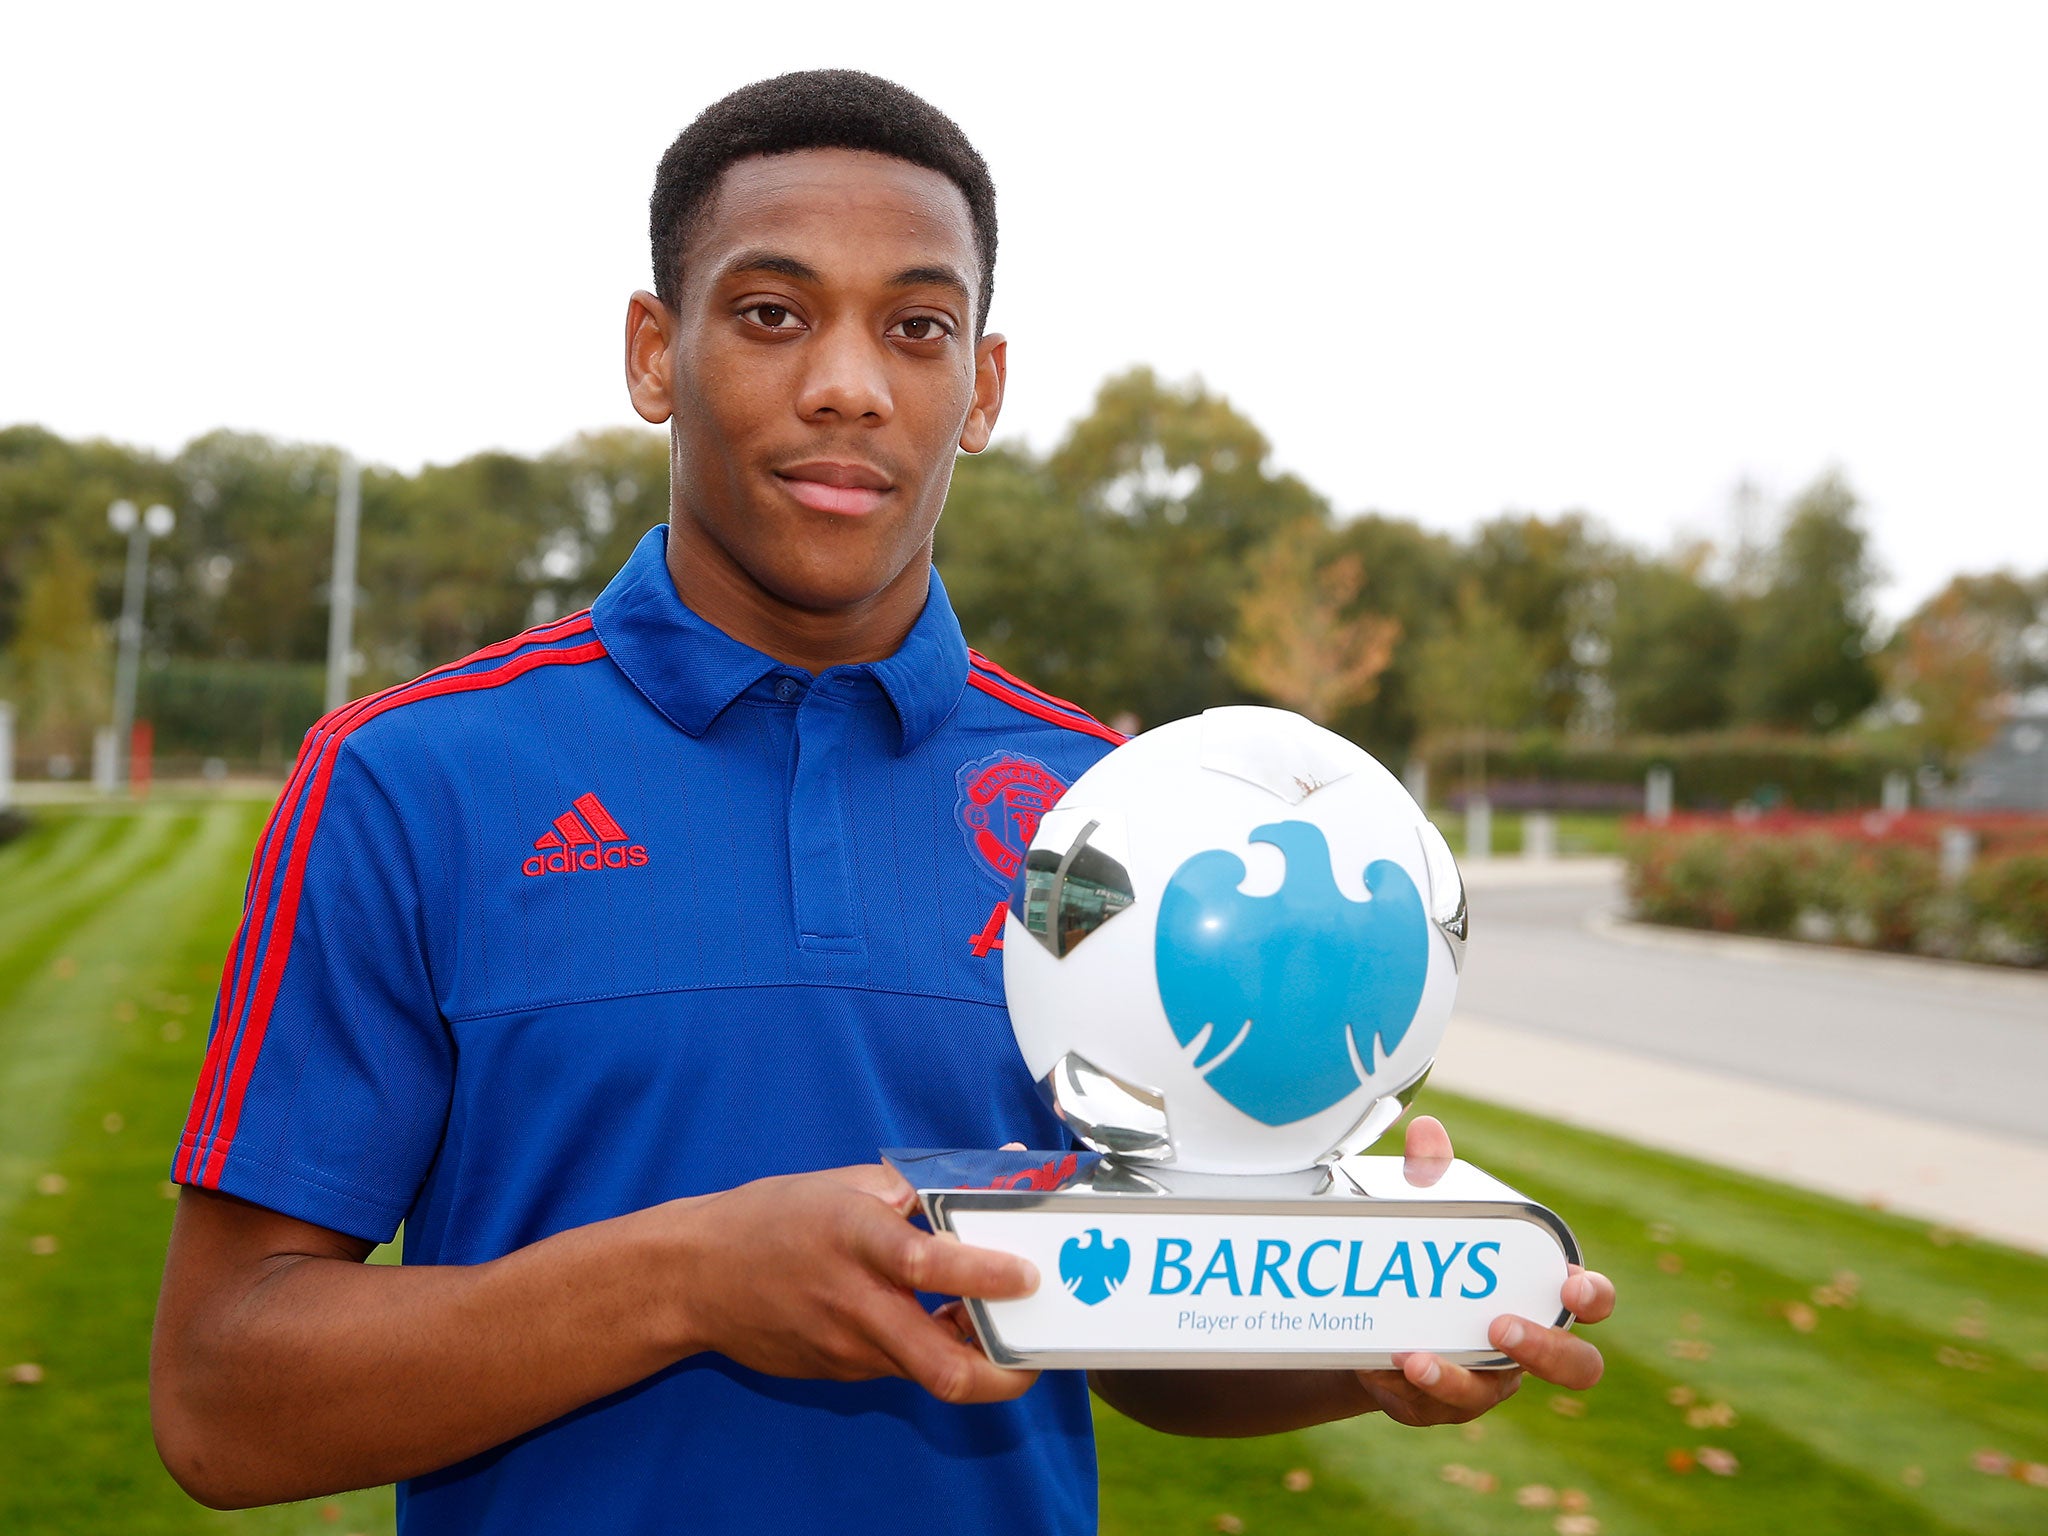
x=1094, y=1271
x=1288, y=993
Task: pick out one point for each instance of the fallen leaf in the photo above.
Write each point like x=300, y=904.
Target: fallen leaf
x=65, y=967
x=1576, y=1525
x=1680, y=1461
x=1996, y=1463
x=42, y=1245
x=1574, y=1501
x=111, y=1122
x=1802, y=1317
x=1691, y=1322
x=1913, y=1477
x=1661, y=1233
x=1670, y=1263
x=26, y=1374
x=52, y=1184
x=1717, y=1461
x=1568, y=1407
x=1298, y=1480
x=172, y=1030
x=2033, y=1473
x=331, y=1513
x=124, y=1012
x=1473, y=1432
x=1961, y=1359
x=1681, y=1397
x=1230, y=1525
x=1689, y=1349
x=1970, y=1328
x=1711, y=1416
x=1536, y=1496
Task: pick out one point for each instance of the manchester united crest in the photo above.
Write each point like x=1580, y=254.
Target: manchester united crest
x=1001, y=800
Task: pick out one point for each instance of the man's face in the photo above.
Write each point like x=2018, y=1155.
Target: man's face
x=820, y=371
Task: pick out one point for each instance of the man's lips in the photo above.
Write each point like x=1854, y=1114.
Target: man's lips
x=832, y=486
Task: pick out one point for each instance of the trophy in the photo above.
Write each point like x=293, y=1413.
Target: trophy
x=1230, y=957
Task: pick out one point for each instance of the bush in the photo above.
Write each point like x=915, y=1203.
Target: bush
x=253, y=713
x=1870, y=881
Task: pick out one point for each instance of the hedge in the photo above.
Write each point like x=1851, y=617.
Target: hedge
x=1709, y=772
x=1873, y=882
x=253, y=714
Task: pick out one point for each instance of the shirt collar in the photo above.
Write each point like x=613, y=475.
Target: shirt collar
x=691, y=670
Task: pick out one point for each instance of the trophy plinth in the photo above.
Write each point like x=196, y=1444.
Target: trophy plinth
x=1348, y=1265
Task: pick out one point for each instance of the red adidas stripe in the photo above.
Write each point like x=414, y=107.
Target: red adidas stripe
x=599, y=818
x=313, y=770
x=1031, y=706
x=255, y=900
x=977, y=659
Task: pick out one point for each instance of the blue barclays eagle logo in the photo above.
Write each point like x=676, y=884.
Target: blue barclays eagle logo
x=1093, y=1271
x=1292, y=989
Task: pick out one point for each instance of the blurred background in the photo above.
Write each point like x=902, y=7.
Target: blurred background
x=1626, y=423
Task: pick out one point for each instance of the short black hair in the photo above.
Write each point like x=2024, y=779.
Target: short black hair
x=813, y=109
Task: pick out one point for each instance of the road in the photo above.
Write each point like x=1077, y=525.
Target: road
x=1962, y=1045
x=1912, y=1085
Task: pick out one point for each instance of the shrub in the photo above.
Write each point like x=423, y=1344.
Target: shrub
x=1869, y=880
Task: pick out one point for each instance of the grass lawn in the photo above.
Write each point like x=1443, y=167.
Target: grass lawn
x=1578, y=832
x=1851, y=1364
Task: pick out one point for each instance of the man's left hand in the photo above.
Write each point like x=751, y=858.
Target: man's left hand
x=1429, y=1390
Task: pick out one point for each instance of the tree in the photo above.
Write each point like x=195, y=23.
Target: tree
x=58, y=664
x=1804, y=662
x=1473, y=678
x=1944, y=666
x=1672, y=643
x=1183, y=482
x=1410, y=575
x=1297, y=642
x=1045, y=587
x=1546, y=576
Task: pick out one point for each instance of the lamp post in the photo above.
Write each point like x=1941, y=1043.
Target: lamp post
x=140, y=528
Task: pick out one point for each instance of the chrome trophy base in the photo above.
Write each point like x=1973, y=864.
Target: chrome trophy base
x=1344, y=1265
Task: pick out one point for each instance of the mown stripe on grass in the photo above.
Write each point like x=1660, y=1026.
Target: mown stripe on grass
x=40, y=923
x=68, y=849
x=55, y=1021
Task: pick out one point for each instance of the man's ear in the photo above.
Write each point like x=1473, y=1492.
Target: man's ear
x=991, y=369
x=650, y=343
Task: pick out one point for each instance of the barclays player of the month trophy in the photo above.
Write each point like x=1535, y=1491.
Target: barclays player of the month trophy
x=1230, y=958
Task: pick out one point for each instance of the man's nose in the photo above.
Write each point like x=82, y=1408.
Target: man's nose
x=846, y=375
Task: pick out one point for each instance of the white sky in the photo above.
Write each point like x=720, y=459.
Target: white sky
x=1452, y=259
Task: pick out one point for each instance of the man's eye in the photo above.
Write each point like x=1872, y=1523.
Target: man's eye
x=772, y=317
x=922, y=328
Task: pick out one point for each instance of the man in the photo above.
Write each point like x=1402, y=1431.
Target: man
x=607, y=958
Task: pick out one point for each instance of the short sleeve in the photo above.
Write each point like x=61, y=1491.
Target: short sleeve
x=329, y=1066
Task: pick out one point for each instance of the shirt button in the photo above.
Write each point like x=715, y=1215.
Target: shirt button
x=788, y=689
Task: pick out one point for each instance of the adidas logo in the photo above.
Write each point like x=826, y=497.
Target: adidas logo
x=585, y=837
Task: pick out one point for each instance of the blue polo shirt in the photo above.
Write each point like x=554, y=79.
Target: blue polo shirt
x=622, y=910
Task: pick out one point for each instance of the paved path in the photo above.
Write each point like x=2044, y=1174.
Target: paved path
x=1915, y=1084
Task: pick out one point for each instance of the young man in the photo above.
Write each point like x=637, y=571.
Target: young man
x=607, y=958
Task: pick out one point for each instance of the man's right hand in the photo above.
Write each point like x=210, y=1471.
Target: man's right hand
x=817, y=1274
x=284, y=1367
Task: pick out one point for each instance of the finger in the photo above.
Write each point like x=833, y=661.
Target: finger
x=929, y=1353
x=881, y=1181
x=941, y=1263
x=1426, y=1151
x=1564, y=1359
x=953, y=1315
x=1473, y=1391
x=1013, y=1146
x=1589, y=1295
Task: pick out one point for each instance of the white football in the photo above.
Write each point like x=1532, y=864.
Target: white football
x=1233, y=946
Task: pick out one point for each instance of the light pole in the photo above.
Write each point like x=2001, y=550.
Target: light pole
x=140, y=528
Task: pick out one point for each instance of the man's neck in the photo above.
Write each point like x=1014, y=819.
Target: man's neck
x=718, y=590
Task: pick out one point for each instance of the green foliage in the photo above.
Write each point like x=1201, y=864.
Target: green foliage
x=1672, y=646
x=1476, y=675
x=1045, y=587
x=1878, y=887
x=1804, y=664
x=1709, y=771
x=58, y=668
x=251, y=712
x=1543, y=576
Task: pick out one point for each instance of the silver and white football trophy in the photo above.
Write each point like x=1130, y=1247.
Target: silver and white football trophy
x=1230, y=958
